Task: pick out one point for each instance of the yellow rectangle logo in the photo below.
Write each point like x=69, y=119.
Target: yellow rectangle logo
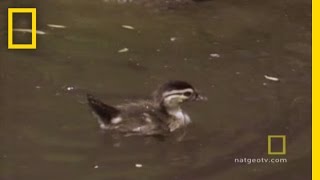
x=284, y=148
x=33, y=12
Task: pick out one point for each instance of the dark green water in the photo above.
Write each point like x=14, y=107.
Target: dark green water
x=47, y=132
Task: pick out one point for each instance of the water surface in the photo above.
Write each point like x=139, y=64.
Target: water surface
x=223, y=47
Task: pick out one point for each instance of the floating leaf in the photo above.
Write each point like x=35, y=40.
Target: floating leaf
x=173, y=39
x=29, y=31
x=128, y=27
x=271, y=78
x=215, y=55
x=58, y=26
x=123, y=50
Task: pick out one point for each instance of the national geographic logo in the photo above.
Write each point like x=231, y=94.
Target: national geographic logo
x=277, y=145
x=33, y=12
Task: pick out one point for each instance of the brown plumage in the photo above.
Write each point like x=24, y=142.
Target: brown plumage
x=160, y=115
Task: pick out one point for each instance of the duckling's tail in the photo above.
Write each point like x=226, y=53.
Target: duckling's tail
x=105, y=112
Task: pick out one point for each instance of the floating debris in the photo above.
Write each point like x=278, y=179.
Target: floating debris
x=29, y=31
x=38, y=87
x=271, y=78
x=139, y=165
x=123, y=50
x=69, y=88
x=215, y=55
x=96, y=167
x=58, y=26
x=128, y=27
x=118, y=1
x=172, y=39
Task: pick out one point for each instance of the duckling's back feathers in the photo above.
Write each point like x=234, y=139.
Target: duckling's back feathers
x=104, y=111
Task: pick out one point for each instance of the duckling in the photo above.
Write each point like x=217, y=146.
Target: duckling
x=159, y=115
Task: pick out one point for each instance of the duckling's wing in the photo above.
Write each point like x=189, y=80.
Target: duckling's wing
x=105, y=112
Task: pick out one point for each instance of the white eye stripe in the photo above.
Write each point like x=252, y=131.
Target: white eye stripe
x=175, y=92
x=171, y=97
x=172, y=100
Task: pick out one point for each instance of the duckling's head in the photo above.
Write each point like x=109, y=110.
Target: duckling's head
x=172, y=93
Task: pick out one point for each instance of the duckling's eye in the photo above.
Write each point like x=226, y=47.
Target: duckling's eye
x=187, y=94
